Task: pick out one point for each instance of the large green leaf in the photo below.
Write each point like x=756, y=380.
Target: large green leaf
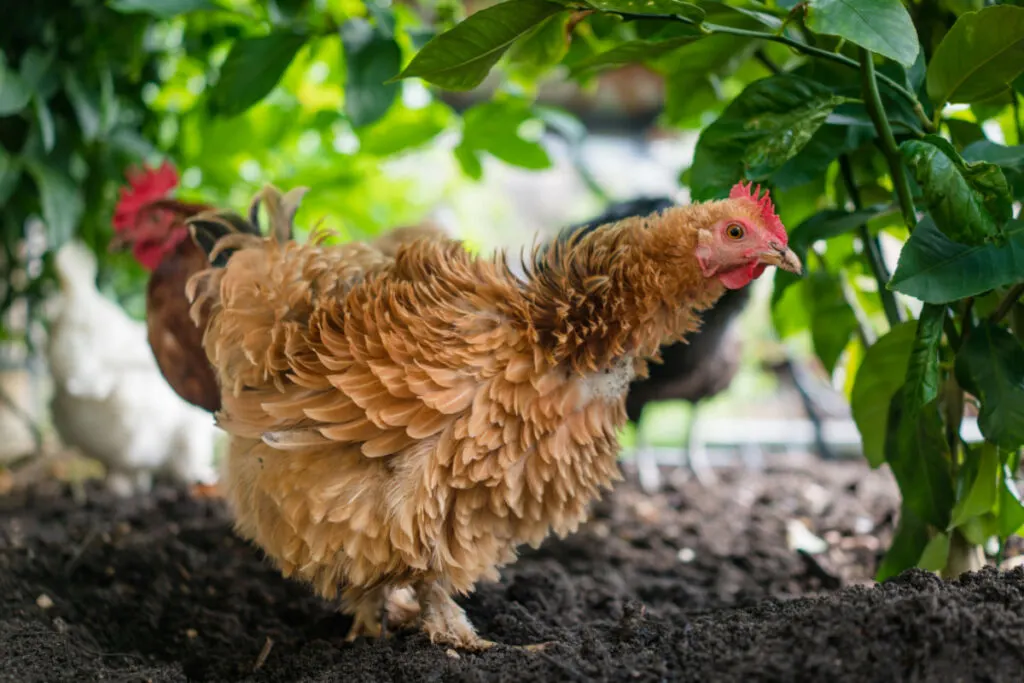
x=881, y=374
x=634, y=52
x=1000, y=155
x=86, y=104
x=60, y=200
x=980, y=56
x=541, y=48
x=252, y=69
x=937, y=270
x=983, y=488
x=763, y=128
x=824, y=147
x=1011, y=508
x=371, y=58
x=908, y=544
x=10, y=174
x=990, y=365
x=821, y=226
x=687, y=10
x=161, y=8
x=460, y=59
x=936, y=553
x=15, y=94
x=882, y=26
x=969, y=202
x=495, y=127
x=917, y=453
x=833, y=322
x=922, y=383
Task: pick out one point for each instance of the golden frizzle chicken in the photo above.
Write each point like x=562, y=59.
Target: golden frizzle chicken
x=693, y=370
x=400, y=425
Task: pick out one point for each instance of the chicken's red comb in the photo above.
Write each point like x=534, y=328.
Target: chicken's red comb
x=764, y=203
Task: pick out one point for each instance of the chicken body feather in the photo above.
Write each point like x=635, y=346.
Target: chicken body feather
x=408, y=421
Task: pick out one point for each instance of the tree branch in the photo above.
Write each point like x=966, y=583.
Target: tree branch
x=873, y=102
x=1006, y=305
x=872, y=246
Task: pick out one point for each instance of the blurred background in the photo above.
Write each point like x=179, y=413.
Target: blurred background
x=236, y=94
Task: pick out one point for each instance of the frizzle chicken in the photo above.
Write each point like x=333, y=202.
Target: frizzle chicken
x=399, y=425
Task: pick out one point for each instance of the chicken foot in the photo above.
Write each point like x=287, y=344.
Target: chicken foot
x=445, y=622
x=381, y=608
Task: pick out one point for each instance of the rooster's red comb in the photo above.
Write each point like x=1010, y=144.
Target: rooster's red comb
x=764, y=203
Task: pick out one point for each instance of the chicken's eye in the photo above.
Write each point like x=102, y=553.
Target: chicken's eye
x=734, y=231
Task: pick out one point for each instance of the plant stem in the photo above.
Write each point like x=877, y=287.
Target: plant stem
x=1016, y=117
x=864, y=331
x=1007, y=303
x=873, y=102
x=810, y=50
x=872, y=246
x=767, y=63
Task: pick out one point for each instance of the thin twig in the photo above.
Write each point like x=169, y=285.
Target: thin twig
x=1006, y=305
x=762, y=57
x=873, y=102
x=261, y=658
x=1016, y=117
x=872, y=246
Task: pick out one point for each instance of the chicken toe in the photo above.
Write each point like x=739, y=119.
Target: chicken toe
x=446, y=623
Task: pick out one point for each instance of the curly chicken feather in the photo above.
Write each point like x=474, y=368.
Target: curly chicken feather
x=399, y=425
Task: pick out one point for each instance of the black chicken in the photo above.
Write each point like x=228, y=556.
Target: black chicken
x=697, y=369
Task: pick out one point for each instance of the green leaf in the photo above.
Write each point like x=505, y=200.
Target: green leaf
x=633, y=52
x=832, y=320
x=964, y=134
x=252, y=69
x=967, y=201
x=935, y=553
x=813, y=160
x=937, y=270
x=543, y=47
x=85, y=103
x=821, y=226
x=917, y=453
x=763, y=128
x=44, y=119
x=1011, y=508
x=881, y=374
x=403, y=129
x=1000, y=155
x=882, y=26
x=496, y=127
x=990, y=365
x=15, y=94
x=161, y=8
x=979, y=57
x=371, y=58
x=908, y=544
x=922, y=382
x=984, y=486
x=10, y=174
x=461, y=58
x=687, y=10
x=60, y=199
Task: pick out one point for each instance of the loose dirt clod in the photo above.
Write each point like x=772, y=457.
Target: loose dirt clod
x=621, y=599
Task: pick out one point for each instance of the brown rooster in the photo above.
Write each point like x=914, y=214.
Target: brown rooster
x=153, y=225
x=400, y=425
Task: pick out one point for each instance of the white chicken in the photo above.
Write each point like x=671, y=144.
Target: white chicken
x=110, y=400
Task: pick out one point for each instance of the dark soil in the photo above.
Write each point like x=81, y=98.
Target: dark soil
x=695, y=584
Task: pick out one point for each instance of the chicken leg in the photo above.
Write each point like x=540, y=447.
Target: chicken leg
x=445, y=622
x=381, y=608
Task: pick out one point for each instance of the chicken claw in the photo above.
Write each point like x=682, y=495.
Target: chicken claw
x=446, y=623
x=373, y=616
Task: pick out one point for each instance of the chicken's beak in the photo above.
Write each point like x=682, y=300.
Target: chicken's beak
x=783, y=257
